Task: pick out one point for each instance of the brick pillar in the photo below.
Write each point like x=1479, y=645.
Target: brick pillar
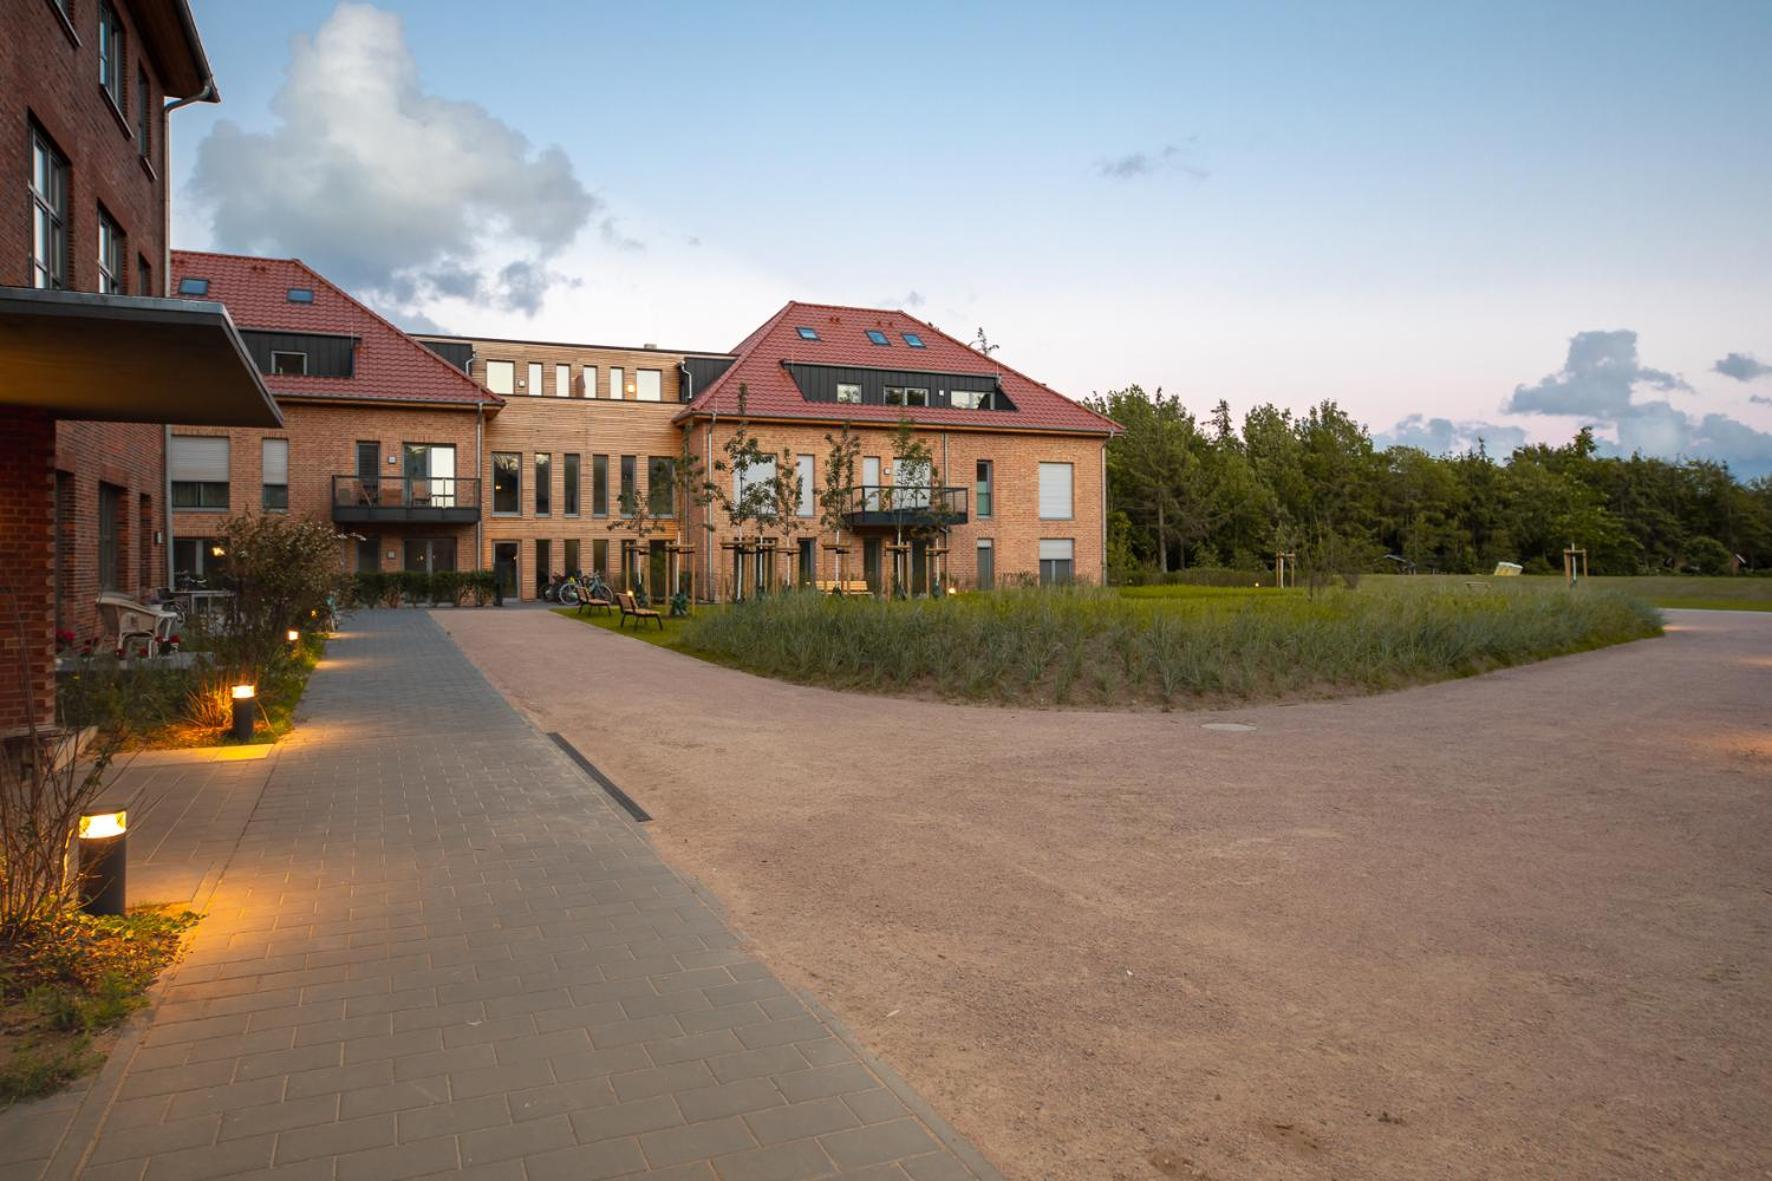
x=27, y=555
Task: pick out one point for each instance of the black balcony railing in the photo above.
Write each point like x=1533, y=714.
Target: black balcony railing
x=369, y=499
x=905, y=505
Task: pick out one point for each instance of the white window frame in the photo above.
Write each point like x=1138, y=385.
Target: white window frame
x=615, y=379
x=648, y=385
x=804, y=469
x=590, y=380
x=113, y=255
x=562, y=381
x=533, y=376
x=275, y=372
x=274, y=462
x=852, y=390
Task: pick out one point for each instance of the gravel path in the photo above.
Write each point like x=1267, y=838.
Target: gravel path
x=1510, y=926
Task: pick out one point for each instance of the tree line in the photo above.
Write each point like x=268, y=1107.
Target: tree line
x=1189, y=493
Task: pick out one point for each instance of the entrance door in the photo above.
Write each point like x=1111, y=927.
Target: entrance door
x=870, y=482
x=430, y=475
x=870, y=562
x=368, y=473
x=919, y=567
x=504, y=565
x=544, y=565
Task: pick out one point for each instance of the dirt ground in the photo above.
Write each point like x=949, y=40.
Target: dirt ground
x=1513, y=926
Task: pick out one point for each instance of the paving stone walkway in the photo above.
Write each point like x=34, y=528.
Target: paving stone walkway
x=438, y=949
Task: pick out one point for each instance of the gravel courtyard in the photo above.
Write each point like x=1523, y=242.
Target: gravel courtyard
x=1510, y=926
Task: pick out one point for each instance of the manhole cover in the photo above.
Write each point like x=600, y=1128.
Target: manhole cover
x=1237, y=726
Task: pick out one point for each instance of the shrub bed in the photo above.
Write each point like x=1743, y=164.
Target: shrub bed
x=419, y=588
x=1097, y=647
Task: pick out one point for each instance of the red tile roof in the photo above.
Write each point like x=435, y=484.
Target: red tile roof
x=389, y=366
x=771, y=392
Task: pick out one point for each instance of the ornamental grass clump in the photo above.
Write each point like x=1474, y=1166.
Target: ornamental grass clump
x=1088, y=646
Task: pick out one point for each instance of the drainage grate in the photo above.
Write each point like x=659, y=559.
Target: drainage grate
x=601, y=780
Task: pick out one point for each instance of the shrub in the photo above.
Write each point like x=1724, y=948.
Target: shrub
x=1082, y=645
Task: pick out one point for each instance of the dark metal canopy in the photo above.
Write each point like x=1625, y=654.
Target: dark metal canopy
x=128, y=358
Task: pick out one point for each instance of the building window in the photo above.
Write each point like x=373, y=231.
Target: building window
x=276, y=475
x=1055, y=492
x=987, y=564
x=507, y=482
x=544, y=483
x=144, y=115
x=761, y=472
x=570, y=557
x=110, y=52
x=590, y=381
x=970, y=399
x=300, y=295
x=191, y=286
x=112, y=279
x=599, y=487
x=368, y=554
x=289, y=364
x=878, y=337
x=1055, y=561
x=110, y=552
x=807, y=333
x=982, y=487
x=648, y=385
x=562, y=381
x=808, y=562
x=615, y=376
x=49, y=221
x=144, y=575
x=569, y=485
x=501, y=376
x=625, y=499
x=803, y=467
x=897, y=395
x=600, y=555
x=661, y=490
x=849, y=393
x=198, y=466
x=195, y=557
x=533, y=388
x=912, y=339
x=144, y=277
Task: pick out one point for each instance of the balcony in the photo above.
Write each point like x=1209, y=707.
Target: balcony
x=423, y=500
x=905, y=506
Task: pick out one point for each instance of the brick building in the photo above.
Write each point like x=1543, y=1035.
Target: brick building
x=583, y=426
x=91, y=354
x=380, y=435
x=1018, y=468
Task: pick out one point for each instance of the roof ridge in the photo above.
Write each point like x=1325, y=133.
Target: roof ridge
x=744, y=349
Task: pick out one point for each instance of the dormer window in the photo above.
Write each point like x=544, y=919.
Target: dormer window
x=807, y=333
x=301, y=295
x=190, y=286
x=915, y=341
x=289, y=364
x=878, y=337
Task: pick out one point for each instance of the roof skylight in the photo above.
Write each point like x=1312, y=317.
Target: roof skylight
x=878, y=337
x=301, y=295
x=915, y=341
x=193, y=286
x=807, y=333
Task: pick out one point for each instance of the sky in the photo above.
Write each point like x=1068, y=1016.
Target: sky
x=1500, y=220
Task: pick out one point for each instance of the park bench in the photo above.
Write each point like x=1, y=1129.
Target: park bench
x=851, y=586
x=586, y=603
x=629, y=610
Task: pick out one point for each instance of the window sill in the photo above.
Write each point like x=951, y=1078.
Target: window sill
x=117, y=114
x=217, y=511
x=67, y=25
x=147, y=167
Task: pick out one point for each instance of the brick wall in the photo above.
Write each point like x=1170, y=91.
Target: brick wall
x=131, y=457
x=50, y=75
x=587, y=422
x=323, y=442
x=1014, y=527
x=27, y=514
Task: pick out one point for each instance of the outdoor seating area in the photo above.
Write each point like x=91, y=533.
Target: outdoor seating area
x=848, y=586
x=630, y=609
x=137, y=628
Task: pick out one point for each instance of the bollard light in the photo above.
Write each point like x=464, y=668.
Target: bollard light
x=245, y=711
x=294, y=637
x=104, y=861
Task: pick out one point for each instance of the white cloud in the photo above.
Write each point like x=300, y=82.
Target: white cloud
x=396, y=193
x=1442, y=436
x=1596, y=379
x=1742, y=367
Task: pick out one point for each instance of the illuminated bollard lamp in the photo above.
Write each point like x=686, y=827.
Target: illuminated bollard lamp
x=104, y=861
x=245, y=711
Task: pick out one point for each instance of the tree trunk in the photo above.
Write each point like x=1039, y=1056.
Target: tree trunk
x=1162, y=541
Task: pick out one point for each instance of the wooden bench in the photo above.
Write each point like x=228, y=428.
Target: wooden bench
x=587, y=604
x=629, y=610
x=852, y=586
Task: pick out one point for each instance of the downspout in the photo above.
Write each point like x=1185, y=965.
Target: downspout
x=1104, y=508
x=480, y=478
x=209, y=94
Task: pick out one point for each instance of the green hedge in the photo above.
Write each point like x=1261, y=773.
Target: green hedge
x=416, y=588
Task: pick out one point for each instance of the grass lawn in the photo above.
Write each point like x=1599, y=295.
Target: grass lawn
x=66, y=983
x=1155, y=645
x=1721, y=593
x=671, y=637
